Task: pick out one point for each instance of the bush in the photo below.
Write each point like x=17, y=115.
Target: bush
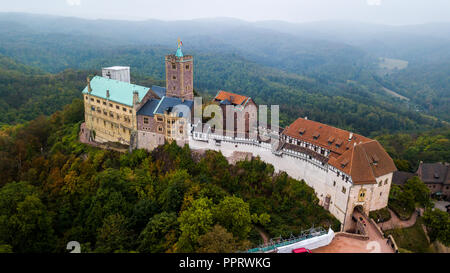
x=381, y=215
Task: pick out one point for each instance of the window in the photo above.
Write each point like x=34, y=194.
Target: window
x=362, y=195
x=344, y=190
x=110, y=105
x=104, y=102
x=174, y=88
x=174, y=77
x=146, y=120
x=160, y=129
x=98, y=101
x=380, y=183
x=334, y=183
x=187, y=67
x=385, y=181
x=117, y=107
x=124, y=109
x=131, y=111
x=86, y=97
x=92, y=99
x=159, y=118
x=174, y=66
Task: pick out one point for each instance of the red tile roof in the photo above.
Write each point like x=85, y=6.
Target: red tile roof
x=231, y=97
x=362, y=158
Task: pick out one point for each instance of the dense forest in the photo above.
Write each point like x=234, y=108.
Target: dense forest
x=324, y=78
x=55, y=190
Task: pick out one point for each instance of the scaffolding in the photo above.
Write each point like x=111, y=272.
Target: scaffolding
x=275, y=243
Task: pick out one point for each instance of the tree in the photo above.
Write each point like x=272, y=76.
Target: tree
x=234, y=214
x=195, y=221
x=419, y=190
x=157, y=235
x=218, y=240
x=31, y=227
x=113, y=236
x=438, y=225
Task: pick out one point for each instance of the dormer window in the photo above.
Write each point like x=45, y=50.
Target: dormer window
x=344, y=163
x=330, y=140
x=375, y=159
x=316, y=135
x=301, y=131
x=436, y=175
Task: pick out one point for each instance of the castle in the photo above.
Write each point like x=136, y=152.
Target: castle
x=347, y=171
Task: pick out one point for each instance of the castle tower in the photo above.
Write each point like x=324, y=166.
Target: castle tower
x=180, y=75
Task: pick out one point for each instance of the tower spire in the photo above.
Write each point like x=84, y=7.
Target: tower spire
x=179, y=52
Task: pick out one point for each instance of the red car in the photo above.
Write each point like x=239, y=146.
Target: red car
x=301, y=250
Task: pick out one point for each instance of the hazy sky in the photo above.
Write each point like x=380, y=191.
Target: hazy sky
x=374, y=11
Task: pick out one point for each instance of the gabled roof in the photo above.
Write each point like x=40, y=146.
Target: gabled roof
x=169, y=104
x=232, y=98
x=400, y=178
x=358, y=163
x=159, y=91
x=434, y=172
x=322, y=135
x=148, y=108
x=120, y=92
x=362, y=158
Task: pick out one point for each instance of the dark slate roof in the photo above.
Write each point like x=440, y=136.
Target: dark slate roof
x=400, y=178
x=160, y=91
x=148, y=108
x=434, y=173
x=169, y=103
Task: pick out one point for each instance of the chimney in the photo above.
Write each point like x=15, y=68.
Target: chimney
x=89, y=85
x=306, y=118
x=135, y=98
x=107, y=94
x=350, y=137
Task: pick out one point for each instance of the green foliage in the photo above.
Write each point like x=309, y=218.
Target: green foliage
x=218, y=240
x=114, y=235
x=195, y=221
x=381, y=215
x=412, y=239
x=234, y=214
x=438, y=225
x=408, y=150
x=403, y=200
x=166, y=201
x=159, y=234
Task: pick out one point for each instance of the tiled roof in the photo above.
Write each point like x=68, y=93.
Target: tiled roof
x=148, y=108
x=231, y=97
x=169, y=103
x=434, y=173
x=120, y=92
x=159, y=91
x=325, y=136
x=360, y=157
x=400, y=178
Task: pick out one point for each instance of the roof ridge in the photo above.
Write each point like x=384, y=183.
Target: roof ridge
x=159, y=103
x=367, y=158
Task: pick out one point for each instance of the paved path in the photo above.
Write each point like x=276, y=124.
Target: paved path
x=441, y=205
x=341, y=244
x=395, y=222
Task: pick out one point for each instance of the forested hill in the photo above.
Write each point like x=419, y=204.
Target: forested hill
x=54, y=190
x=335, y=82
